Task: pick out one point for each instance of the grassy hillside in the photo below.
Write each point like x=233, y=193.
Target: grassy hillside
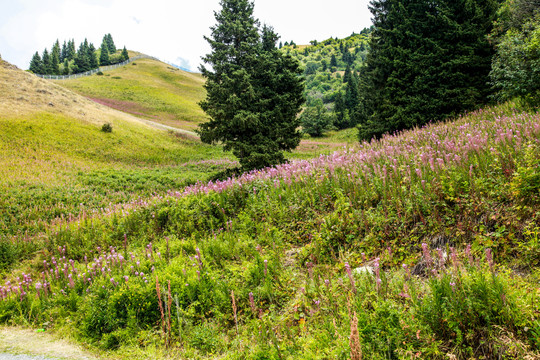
x=421, y=245
x=55, y=162
x=147, y=88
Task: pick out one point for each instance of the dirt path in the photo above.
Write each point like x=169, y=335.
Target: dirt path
x=24, y=344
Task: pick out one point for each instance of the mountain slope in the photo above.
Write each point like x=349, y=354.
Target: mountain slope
x=56, y=162
x=147, y=88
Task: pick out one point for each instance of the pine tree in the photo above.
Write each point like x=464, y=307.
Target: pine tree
x=253, y=90
x=351, y=93
x=92, y=56
x=104, y=55
x=428, y=60
x=36, y=65
x=110, y=43
x=333, y=61
x=82, y=61
x=70, y=54
x=55, y=58
x=124, y=56
x=46, y=58
x=64, y=52
x=341, y=122
x=347, y=75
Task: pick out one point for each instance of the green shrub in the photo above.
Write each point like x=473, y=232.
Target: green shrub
x=106, y=128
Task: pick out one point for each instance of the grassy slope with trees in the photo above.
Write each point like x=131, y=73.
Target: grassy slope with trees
x=423, y=244
x=147, y=88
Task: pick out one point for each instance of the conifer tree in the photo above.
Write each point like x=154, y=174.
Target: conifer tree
x=70, y=54
x=253, y=90
x=124, y=56
x=55, y=58
x=428, y=60
x=347, y=75
x=63, y=52
x=104, y=55
x=82, y=60
x=110, y=43
x=341, y=122
x=36, y=65
x=46, y=58
x=333, y=61
x=92, y=57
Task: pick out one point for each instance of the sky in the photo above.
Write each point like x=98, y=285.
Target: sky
x=171, y=30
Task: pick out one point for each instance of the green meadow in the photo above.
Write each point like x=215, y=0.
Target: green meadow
x=147, y=88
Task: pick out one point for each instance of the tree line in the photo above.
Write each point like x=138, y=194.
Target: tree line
x=425, y=61
x=66, y=60
x=433, y=60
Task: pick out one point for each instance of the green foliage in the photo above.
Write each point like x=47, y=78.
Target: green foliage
x=36, y=64
x=279, y=245
x=516, y=66
x=104, y=55
x=8, y=254
x=315, y=120
x=525, y=183
x=60, y=59
x=124, y=56
x=322, y=71
x=253, y=90
x=427, y=61
x=106, y=128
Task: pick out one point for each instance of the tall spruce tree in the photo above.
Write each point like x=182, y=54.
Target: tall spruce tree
x=70, y=54
x=428, y=60
x=82, y=61
x=253, y=90
x=36, y=65
x=92, y=57
x=110, y=43
x=104, y=55
x=46, y=58
x=63, y=52
x=124, y=56
x=55, y=58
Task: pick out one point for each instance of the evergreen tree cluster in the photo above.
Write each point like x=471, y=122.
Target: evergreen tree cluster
x=254, y=90
x=428, y=60
x=67, y=60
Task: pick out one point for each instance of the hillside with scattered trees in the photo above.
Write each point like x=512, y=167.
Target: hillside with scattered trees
x=331, y=72
x=66, y=60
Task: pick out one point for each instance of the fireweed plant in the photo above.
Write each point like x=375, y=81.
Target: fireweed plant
x=397, y=248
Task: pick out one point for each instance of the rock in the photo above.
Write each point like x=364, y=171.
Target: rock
x=363, y=270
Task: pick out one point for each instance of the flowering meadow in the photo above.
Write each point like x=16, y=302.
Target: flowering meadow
x=422, y=245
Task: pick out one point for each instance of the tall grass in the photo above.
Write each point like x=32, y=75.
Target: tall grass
x=399, y=248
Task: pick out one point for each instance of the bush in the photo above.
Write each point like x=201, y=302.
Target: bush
x=99, y=73
x=106, y=128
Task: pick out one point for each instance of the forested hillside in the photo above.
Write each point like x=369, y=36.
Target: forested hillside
x=331, y=71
